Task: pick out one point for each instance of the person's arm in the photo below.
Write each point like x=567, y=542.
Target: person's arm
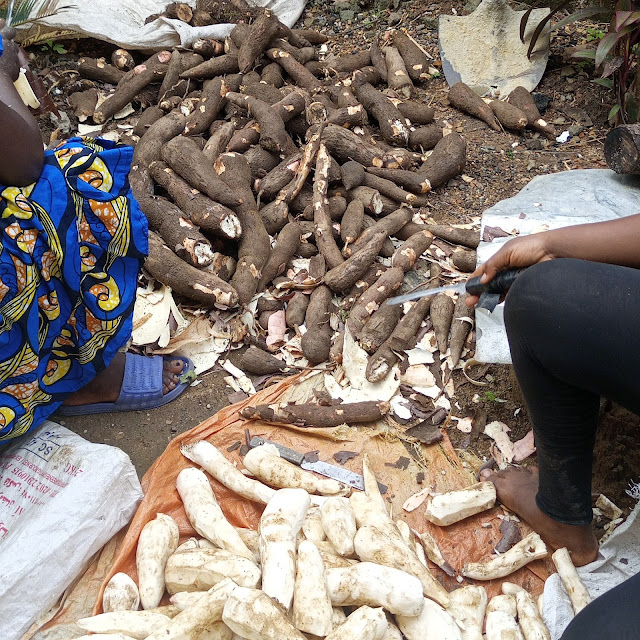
x=614, y=242
x=21, y=152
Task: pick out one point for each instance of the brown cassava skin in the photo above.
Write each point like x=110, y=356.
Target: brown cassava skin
x=185, y=157
x=409, y=180
x=381, y=363
x=255, y=245
x=206, y=214
x=269, y=304
x=290, y=106
x=168, y=221
x=366, y=74
x=301, y=76
x=222, y=266
x=349, y=116
x=317, y=267
x=316, y=342
x=426, y=137
x=374, y=272
x=345, y=145
x=345, y=275
x=464, y=260
x=459, y=329
x=377, y=58
x=218, y=141
x=301, y=55
x=172, y=77
x=272, y=74
x=352, y=174
x=218, y=66
x=335, y=354
x=466, y=99
x=122, y=59
x=372, y=298
x=441, y=314
x=141, y=182
x=323, y=228
x=416, y=112
x=391, y=190
x=379, y=327
x=273, y=136
x=265, y=27
x=369, y=197
x=84, y=103
x=296, y=310
x=446, y=161
x=393, y=126
x=415, y=60
x=260, y=161
x=343, y=96
x=311, y=36
x=207, y=47
x=186, y=280
x=388, y=225
x=285, y=248
x=410, y=250
x=260, y=363
x=158, y=134
x=279, y=177
x=240, y=33
x=275, y=216
x=524, y=101
x=348, y=62
x=211, y=102
x=351, y=225
x=466, y=237
x=99, y=70
x=509, y=116
x=314, y=415
x=261, y=91
x=397, y=76
x=149, y=116
x=131, y=84
x=244, y=138
x=179, y=11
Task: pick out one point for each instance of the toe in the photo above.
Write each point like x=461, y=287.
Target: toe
x=174, y=366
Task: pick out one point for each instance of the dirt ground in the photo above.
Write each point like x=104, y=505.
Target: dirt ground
x=498, y=166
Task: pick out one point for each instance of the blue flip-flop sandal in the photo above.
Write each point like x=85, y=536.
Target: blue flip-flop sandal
x=141, y=388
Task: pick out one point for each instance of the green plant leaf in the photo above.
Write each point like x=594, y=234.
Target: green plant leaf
x=614, y=112
x=608, y=42
x=624, y=18
x=587, y=12
x=611, y=66
x=587, y=53
x=605, y=82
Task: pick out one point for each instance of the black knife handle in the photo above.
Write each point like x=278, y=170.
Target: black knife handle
x=500, y=284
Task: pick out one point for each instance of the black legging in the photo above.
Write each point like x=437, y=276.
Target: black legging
x=573, y=333
x=573, y=329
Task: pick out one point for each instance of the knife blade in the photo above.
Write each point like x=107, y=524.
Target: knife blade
x=340, y=474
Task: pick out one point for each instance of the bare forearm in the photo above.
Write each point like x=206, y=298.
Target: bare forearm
x=21, y=153
x=614, y=242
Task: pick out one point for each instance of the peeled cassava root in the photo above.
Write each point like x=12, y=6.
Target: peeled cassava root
x=446, y=508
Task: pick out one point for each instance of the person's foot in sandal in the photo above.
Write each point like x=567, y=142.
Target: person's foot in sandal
x=128, y=376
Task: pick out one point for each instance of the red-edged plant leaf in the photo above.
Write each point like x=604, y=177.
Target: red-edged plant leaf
x=587, y=12
x=605, y=82
x=541, y=25
x=612, y=65
x=587, y=53
x=608, y=42
x=624, y=18
x=523, y=23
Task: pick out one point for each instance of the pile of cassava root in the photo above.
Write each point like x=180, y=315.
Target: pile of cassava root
x=322, y=564
x=256, y=153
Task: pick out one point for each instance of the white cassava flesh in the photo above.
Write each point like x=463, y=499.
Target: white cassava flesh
x=433, y=623
x=446, y=508
x=503, y=602
x=205, y=513
x=433, y=552
x=137, y=624
x=279, y=526
x=185, y=599
x=502, y=626
x=578, y=593
x=528, y=549
x=250, y=538
x=120, y=594
x=392, y=632
x=158, y=540
x=195, y=543
x=333, y=561
x=208, y=457
x=529, y=619
x=253, y=615
x=338, y=616
x=216, y=631
x=312, y=611
x=371, y=488
x=375, y=585
x=364, y=623
x=265, y=463
x=106, y=636
x=201, y=569
x=467, y=606
x=192, y=621
x=373, y=545
x=312, y=525
x=339, y=524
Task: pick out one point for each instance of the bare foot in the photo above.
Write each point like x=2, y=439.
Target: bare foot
x=106, y=386
x=517, y=489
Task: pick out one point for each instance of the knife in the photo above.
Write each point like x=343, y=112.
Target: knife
x=340, y=474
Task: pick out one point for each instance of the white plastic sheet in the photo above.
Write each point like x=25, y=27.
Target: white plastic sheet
x=61, y=499
x=122, y=22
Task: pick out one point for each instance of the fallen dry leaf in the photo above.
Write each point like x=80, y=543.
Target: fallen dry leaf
x=415, y=500
x=497, y=431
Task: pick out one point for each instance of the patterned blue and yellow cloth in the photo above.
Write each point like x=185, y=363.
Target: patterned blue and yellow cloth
x=71, y=245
